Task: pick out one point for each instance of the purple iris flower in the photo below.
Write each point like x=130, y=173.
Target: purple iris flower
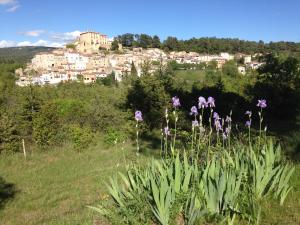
x=211, y=102
x=262, y=103
x=249, y=113
x=176, y=102
x=194, y=111
x=167, y=131
x=195, y=123
x=248, y=123
x=216, y=116
x=227, y=130
x=138, y=115
x=218, y=125
x=202, y=102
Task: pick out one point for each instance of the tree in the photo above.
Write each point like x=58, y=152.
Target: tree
x=156, y=42
x=133, y=71
x=280, y=70
x=71, y=46
x=46, y=126
x=148, y=95
x=144, y=41
x=171, y=44
x=146, y=67
x=110, y=80
x=126, y=39
x=230, y=69
x=30, y=105
x=9, y=135
x=114, y=45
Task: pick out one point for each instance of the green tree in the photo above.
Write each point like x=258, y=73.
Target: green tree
x=71, y=46
x=149, y=95
x=126, y=39
x=9, y=135
x=46, y=126
x=280, y=70
x=144, y=41
x=133, y=71
x=110, y=80
x=114, y=45
x=156, y=42
x=171, y=44
x=145, y=68
x=230, y=69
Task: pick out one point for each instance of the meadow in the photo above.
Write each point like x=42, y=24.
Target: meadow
x=79, y=137
x=56, y=187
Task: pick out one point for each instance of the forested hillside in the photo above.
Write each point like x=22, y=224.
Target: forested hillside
x=21, y=54
x=208, y=45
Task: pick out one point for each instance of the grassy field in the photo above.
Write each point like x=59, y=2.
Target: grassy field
x=54, y=187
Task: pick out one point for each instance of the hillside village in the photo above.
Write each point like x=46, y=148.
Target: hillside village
x=90, y=58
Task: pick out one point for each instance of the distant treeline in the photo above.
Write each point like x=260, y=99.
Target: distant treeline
x=209, y=45
x=21, y=54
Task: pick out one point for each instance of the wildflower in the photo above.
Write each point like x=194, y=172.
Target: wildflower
x=262, y=103
x=202, y=102
x=176, y=102
x=248, y=123
x=211, y=102
x=138, y=116
x=167, y=131
x=225, y=136
x=194, y=111
x=227, y=130
x=249, y=113
x=228, y=119
x=195, y=123
x=216, y=116
x=218, y=125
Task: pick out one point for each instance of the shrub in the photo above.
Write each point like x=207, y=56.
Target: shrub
x=46, y=126
x=10, y=140
x=113, y=136
x=81, y=137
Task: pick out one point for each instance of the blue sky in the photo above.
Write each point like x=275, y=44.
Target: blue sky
x=55, y=22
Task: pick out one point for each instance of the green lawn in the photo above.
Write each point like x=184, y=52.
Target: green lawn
x=54, y=187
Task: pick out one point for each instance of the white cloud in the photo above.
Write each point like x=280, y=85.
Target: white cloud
x=24, y=43
x=7, y=2
x=66, y=37
x=12, y=4
x=32, y=33
x=56, y=40
x=6, y=44
x=13, y=8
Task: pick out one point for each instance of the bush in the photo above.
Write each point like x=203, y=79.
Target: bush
x=81, y=137
x=148, y=94
x=46, y=126
x=113, y=136
x=10, y=140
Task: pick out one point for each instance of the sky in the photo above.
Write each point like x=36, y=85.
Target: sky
x=56, y=22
